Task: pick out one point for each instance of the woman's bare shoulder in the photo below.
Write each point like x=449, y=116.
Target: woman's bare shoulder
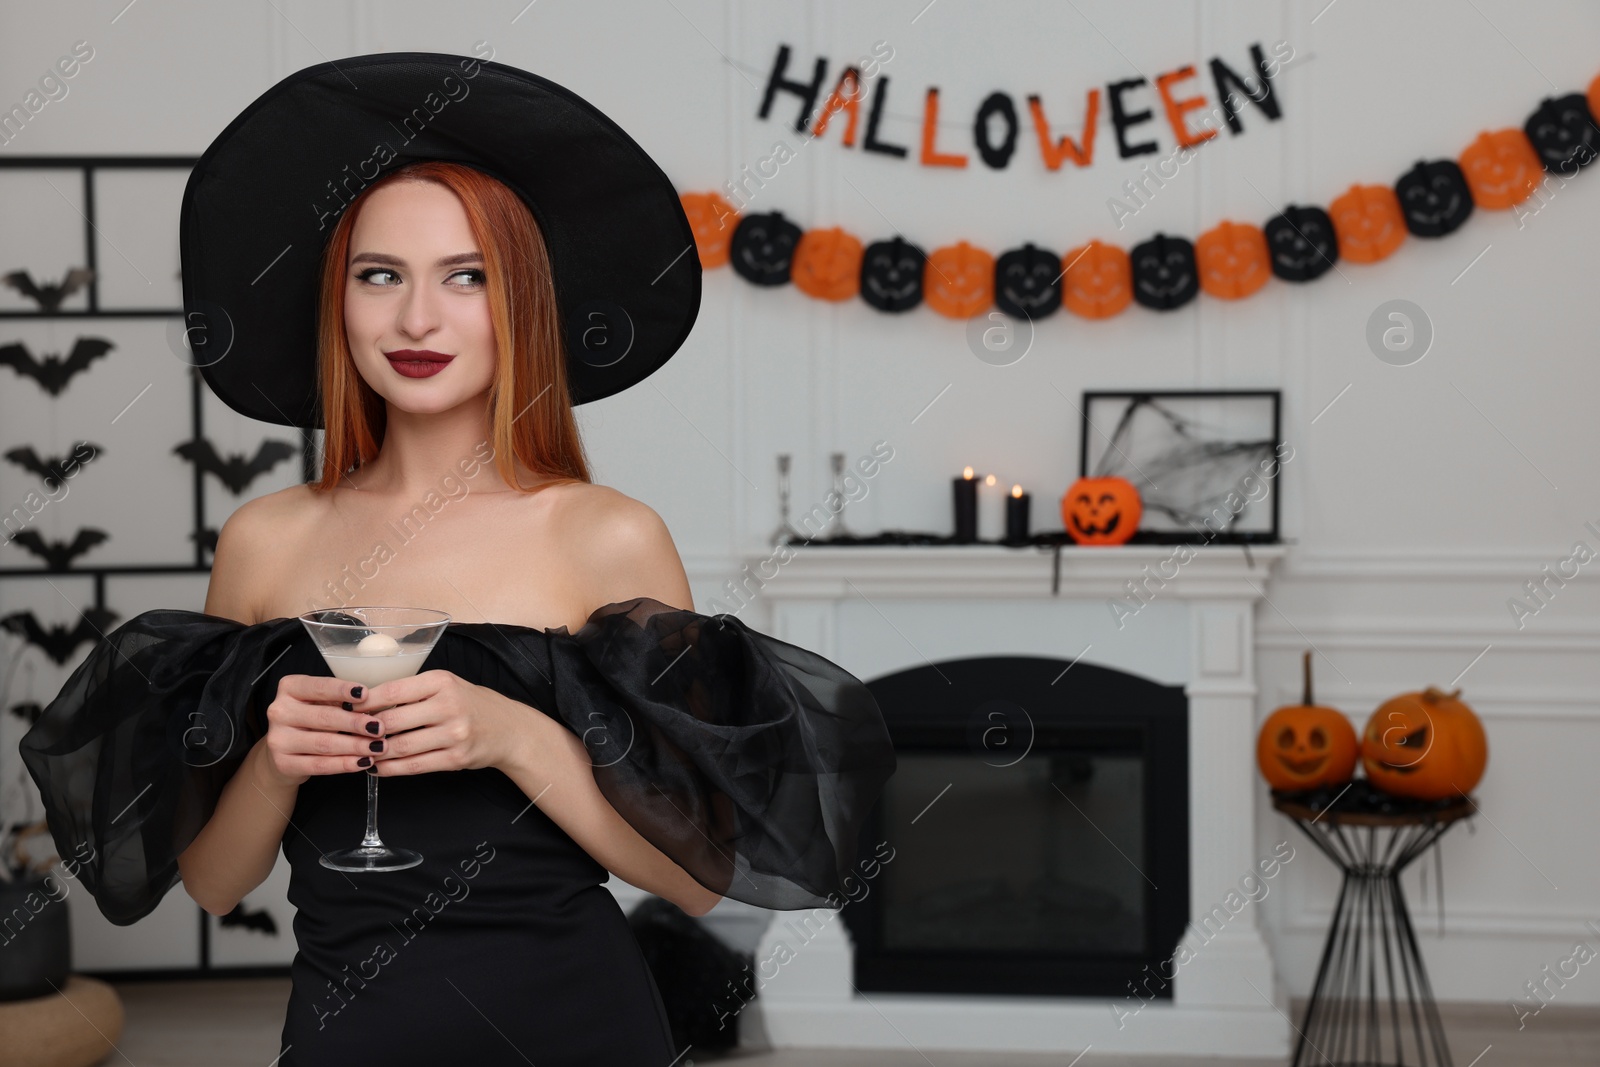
x=256, y=532
x=621, y=545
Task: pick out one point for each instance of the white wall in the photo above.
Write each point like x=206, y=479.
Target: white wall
x=1418, y=503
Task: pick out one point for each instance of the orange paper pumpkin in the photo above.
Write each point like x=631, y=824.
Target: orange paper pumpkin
x=958, y=280
x=1101, y=511
x=1368, y=222
x=1233, y=260
x=1427, y=745
x=1098, y=282
x=827, y=264
x=712, y=219
x=1501, y=168
x=1306, y=745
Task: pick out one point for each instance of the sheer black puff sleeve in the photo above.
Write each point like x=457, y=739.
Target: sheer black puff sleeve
x=751, y=762
x=132, y=754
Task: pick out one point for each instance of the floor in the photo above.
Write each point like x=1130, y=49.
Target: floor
x=235, y=1023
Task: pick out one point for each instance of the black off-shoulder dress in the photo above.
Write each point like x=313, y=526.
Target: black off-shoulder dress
x=749, y=761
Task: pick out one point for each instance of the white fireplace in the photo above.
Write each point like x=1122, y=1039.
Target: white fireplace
x=1175, y=616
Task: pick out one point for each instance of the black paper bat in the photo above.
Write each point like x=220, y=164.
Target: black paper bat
x=58, y=555
x=237, y=471
x=260, y=919
x=59, y=642
x=52, y=470
x=52, y=372
x=208, y=538
x=49, y=297
x=28, y=710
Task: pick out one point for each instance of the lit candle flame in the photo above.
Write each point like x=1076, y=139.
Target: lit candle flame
x=967, y=473
x=988, y=479
x=1016, y=490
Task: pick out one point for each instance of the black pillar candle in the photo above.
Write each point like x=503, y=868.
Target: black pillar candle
x=966, y=505
x=1017, y=516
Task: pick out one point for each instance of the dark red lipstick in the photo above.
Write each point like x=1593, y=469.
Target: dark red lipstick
x=417, y=362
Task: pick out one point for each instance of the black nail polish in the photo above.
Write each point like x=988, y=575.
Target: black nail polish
x=355, y=692
x=376, y=746
x=372, y=727
x=364, y=761
x=348, y=706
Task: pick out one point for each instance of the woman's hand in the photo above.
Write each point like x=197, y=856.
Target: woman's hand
x=310, y=730
x=439, y=721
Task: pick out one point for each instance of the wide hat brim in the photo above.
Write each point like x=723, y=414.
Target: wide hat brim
x=264, y=197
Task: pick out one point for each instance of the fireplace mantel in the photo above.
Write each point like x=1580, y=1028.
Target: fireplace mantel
x=874, y=609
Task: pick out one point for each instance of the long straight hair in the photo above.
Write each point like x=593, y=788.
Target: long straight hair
x=530, y=408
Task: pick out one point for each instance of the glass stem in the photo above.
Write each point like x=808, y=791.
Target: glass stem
x=371, y=839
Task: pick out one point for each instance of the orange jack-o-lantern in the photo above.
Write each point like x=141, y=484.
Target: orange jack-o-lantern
x=958, y=280
x=1098, y=282
x=1101, y=511
x=1233, y=260
x=712, y=219
x=1368, y=222
x=1427, y=745
x=1594, y=96
x=827, y=264
x=1306, y=745
x=1501, y=168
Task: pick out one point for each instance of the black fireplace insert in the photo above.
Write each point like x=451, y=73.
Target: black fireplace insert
x=1039, y=818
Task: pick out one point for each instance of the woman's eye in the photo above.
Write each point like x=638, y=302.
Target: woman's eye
x=367, y=274
x=475, y=277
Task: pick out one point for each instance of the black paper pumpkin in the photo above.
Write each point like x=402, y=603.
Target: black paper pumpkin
x=763, y=247
x=1027, y=282
x=1563, y=132
x=1434, y=197
x=1164, y=272
x=1302, y=243
x=891, y=274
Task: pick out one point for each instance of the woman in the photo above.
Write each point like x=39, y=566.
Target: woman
x=576, y=718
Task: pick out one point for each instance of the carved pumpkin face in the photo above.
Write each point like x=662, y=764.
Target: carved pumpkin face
x=1098, y=282
x=1164, y=272
x=1368, y=222
x=827, y=264
x=1563, y=133
x=959, y=280
x=1306, y=746
x=1233, y=260
x=1501, y=169
x=1101, y=511
x=1426, y=745
x=1027, y=282
x=712, y=219
x=763, y=248
x=891, y=275
x=1302, y=243
x=1434, y=198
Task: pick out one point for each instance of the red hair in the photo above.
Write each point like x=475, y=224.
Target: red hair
x=530, y=361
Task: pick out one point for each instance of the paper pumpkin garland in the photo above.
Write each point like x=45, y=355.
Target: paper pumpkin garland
x=1367, y=223
x=891, y=274
x=1233, y=260
x=1302, y=243
x=713, y=220
x=1164, y=272
x=1027, y=282
x=1097, y=280
x=1563, y=133
x=827, y=264
x=1434, y=198
x=958, y=280
x=763, y=247
x=1501, y=168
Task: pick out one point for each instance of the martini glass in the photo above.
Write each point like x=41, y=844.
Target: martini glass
x=372, y=645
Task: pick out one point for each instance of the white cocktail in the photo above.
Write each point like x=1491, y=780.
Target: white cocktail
x=370, y=646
